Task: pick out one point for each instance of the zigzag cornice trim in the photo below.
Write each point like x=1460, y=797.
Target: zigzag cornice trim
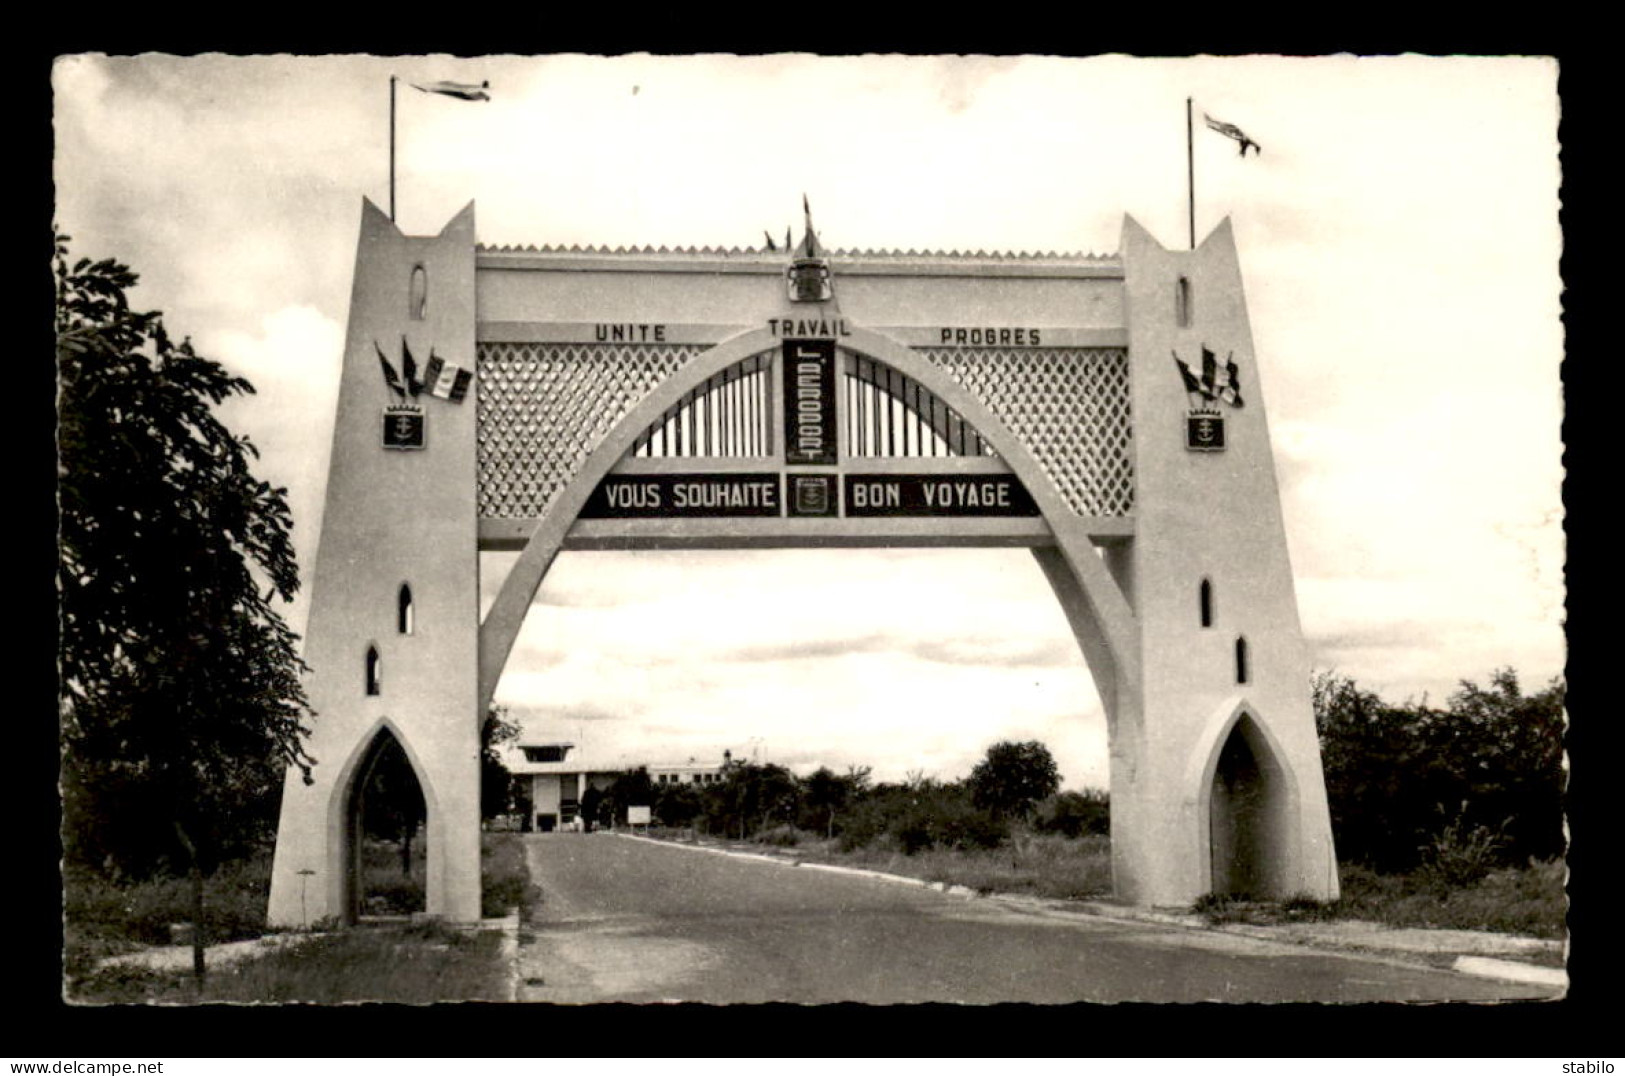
x=761, y=253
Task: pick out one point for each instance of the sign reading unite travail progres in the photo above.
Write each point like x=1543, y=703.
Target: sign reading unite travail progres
x=808, y=486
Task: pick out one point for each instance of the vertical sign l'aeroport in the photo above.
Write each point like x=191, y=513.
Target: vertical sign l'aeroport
x=809, y=424
x=809, y=402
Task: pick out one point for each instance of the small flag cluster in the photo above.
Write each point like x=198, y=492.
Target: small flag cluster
x=1210, y=386
x=443, y=379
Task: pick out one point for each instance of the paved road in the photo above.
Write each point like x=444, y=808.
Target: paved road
x=624, y=920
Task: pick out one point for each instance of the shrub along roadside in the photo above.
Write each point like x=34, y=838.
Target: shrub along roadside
x=408, y=964
x=1033, y=864
x=505, y=879
x=104, y=918
x=1526, y=900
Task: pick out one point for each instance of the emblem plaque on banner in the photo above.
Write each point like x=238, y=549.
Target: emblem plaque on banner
x=1204, y=431
x=403, y=427
x=812, y=495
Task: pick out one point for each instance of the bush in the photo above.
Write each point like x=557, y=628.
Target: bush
x=1461, y=854
x=505, y=880
x=234, y=902
x=1075, y=814
x=781, y=836
x=385, y=888
x=1483, y=776
x=1515, y=900
x=927, y=816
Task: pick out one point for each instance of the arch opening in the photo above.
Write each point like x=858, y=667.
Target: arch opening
x=1250, y=811
x=874, y=649
x=930, y=412
x=1097, y=599
x=385, y=830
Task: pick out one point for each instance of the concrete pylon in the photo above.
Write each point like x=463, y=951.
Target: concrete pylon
x=1226, y=792
x=394, y=518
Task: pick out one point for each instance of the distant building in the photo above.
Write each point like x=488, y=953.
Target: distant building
x=560, y=775
x=689, y=773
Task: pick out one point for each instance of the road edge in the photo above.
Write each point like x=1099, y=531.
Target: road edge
x=1511, y=971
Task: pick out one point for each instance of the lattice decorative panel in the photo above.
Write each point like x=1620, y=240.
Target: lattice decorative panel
x=1070, y=406
x=543, y=408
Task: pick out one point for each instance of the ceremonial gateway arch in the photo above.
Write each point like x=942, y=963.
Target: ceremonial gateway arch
x=1103, y=411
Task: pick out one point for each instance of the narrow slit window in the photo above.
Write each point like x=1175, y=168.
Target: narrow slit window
x=417, y=303
x=1182, y=301
x=1241, y=660
x=1205, y=600
x=374, y=671
x=403, y=612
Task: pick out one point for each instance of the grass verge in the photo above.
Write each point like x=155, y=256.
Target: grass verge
x=415, y=964
x=1033, y=864
x=103, y=918
x=1044, y=865
x=1528, y=901
x=504, y=878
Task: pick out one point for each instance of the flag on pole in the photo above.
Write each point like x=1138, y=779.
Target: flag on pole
x=1231, y=393
x=1229, y=388
x=1191, y=384
x=1211, y=385
x=466, y=91
x=391, y=378
x=1230, y=130
x=446, y=380
x=410, y=367
x=810, y=243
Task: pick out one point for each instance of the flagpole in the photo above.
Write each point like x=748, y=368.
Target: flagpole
x=391, y=147
x=1190, y=168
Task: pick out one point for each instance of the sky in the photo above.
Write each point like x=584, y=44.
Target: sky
x=1399, y=243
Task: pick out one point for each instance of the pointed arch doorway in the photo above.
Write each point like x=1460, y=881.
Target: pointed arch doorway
x=1252, y=804
x=385, y=824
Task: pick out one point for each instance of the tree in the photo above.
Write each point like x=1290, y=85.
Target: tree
x=1013, y=777
x=825, y=794
x=181, y=701
x=631, y=788
x=392, y=805
x=750, y=797
x=1407, y=783
x=1517, y=741
x=676, y=804
x=497, y=792
x=1075, y=814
